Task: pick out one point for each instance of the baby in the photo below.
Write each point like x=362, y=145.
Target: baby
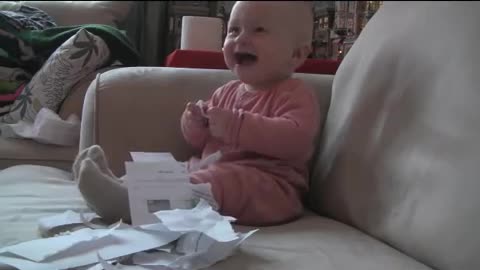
x=264, y=123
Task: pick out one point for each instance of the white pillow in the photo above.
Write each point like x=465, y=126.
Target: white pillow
x=80, y=55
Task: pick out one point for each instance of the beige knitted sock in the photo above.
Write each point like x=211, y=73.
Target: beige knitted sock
x=78, y=161
x=95, y=153
x=103, y=193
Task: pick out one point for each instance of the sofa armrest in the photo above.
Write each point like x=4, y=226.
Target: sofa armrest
x=139, y=109
x=73, y=103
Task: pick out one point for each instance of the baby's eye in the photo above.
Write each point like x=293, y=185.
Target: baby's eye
x=259, y=29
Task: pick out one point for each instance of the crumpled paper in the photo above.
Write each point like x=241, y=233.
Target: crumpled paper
x=48, y=128
x=181, y=239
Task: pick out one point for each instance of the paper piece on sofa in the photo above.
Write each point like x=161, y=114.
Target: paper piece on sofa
x=38, y=250
x=106, y=265
x=151, y=156
x=166, y=170
x=198, y=252
x=120, y=242
x=207, y=161
x=204, y=191
x=23, y=264
x=154, y=258
x=202, y=219
x=209, y=253
x=154, y=186
x=47, y=128
x=66, y=218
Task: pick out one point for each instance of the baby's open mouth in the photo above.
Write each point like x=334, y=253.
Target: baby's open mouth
x=243, y=58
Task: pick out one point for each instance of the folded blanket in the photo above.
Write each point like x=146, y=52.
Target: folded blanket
x=30, y=49
x=13, y=50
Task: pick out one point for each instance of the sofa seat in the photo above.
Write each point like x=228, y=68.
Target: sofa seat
x=30, y=192
x=21, y=151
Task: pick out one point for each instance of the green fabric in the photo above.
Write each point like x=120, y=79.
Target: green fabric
x=45, y=42
x=7, y=87
x=29, y=49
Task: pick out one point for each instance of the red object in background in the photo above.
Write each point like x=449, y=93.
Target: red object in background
x=214, y=60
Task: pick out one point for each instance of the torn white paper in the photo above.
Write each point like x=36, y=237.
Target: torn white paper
x=146, y=199
x=47, y=128
x=200, y=244
x=207, y=161
x=25, y=264
x=151, y=156
x=209, y=252
x=204, y=191
x=200, y=252
x=154, y=258
x=166, y=170
x=105, y=264
x=67, y=218
x=119, y=243
x=35, y=251
x=199, y=219
x=201, y=105
x=154, y=186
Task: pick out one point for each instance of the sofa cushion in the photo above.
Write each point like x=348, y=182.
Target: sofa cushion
x=20, y=151
x=401, y=151
x=164, y=93
x=77, y=57
x=314, y=242
x=31, y=192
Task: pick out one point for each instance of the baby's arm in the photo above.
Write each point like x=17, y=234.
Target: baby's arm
x=288, y=135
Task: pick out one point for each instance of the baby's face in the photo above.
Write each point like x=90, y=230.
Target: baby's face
x=259, y=44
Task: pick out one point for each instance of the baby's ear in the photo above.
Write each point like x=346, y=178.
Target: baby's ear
x=300, y=54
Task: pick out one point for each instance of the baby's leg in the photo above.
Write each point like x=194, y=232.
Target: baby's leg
x=103, y=193
x=250, y=195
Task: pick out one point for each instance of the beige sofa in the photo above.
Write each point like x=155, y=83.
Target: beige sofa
x=15, y=151
x=395, y=180
x=150, y=122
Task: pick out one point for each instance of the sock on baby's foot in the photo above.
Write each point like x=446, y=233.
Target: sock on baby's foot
x=103, y=193
x=78, y=161
x=95, y=153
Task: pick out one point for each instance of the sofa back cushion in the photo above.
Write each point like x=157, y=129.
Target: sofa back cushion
x=162, y=94
x=400, y=157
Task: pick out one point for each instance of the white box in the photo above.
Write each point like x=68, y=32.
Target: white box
x=154, y=186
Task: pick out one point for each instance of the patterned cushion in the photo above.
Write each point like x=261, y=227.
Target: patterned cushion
x=80, y=55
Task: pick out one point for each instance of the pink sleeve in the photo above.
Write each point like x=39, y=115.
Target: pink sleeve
x=289, y=135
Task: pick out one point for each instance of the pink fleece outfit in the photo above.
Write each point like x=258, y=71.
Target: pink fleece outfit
x=263, y=173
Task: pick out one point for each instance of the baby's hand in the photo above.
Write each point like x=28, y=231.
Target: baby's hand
x=194, y=115
x=218, y=120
